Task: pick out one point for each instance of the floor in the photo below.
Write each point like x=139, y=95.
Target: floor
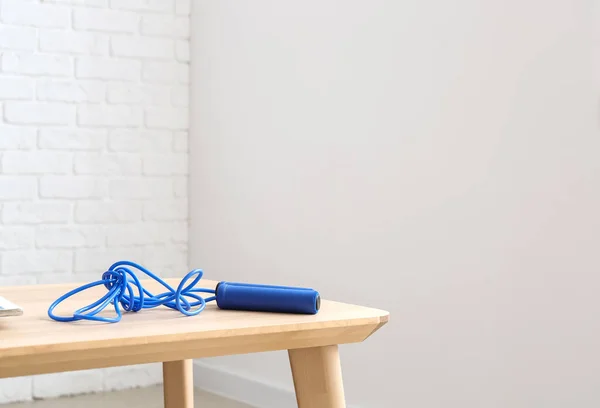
x=137, y=398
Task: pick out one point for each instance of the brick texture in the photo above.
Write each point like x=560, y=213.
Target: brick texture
x=94, y=131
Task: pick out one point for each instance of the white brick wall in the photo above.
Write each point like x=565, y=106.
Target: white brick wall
x=22, y=63
x=34, y=14
x=93, y=152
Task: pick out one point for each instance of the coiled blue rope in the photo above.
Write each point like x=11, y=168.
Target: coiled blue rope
x=120, y=281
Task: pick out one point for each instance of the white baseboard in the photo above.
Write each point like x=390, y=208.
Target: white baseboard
x=239, y=388
x=236, y=387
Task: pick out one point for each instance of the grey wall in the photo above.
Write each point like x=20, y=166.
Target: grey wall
x=437, y=159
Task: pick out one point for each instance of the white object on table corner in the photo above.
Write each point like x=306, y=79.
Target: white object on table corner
x=9, y=309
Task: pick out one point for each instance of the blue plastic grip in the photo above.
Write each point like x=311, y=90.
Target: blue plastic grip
x=267, y=298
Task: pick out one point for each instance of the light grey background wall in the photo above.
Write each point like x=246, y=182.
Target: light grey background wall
x=437, y=159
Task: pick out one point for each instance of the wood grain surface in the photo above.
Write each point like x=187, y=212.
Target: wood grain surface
x=317, y=375
x=178, y=384
x=35, y=344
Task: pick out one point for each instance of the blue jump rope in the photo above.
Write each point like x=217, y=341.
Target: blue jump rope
x=120, y=281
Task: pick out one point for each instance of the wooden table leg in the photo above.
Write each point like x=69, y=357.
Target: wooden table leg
x=317, y=377
x=178, y=384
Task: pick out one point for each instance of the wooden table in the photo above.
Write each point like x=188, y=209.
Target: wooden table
x=35, y=344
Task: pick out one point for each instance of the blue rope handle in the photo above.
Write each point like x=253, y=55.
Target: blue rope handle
x=120, y=281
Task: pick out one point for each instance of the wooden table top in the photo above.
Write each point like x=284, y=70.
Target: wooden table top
x=35, y=344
